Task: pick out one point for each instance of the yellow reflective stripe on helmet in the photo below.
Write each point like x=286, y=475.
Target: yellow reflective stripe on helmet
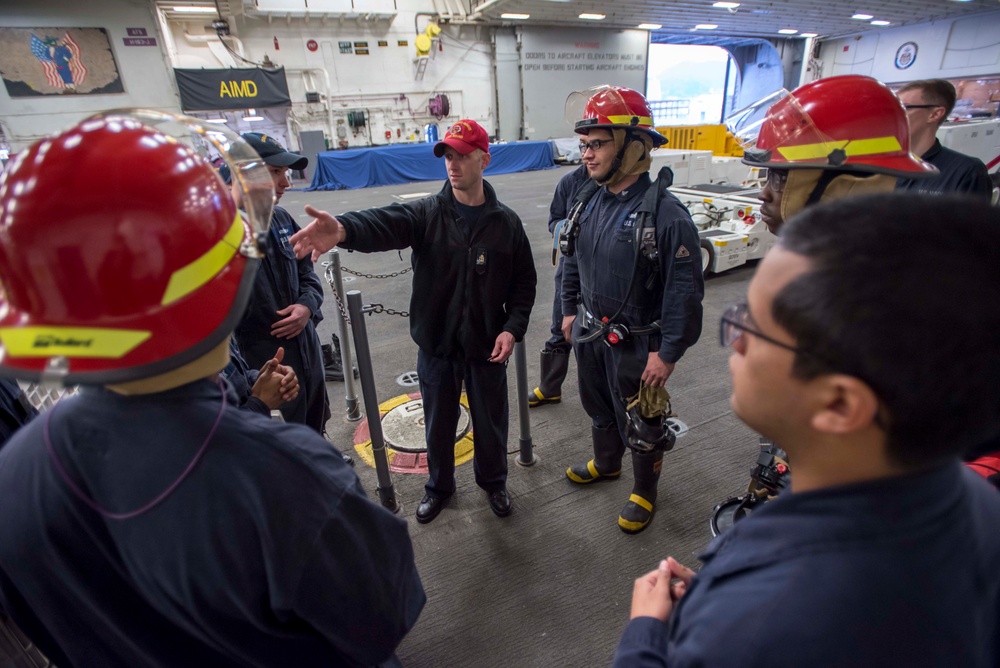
x=188, y=279
x=71, y=341
x=852, y=148
x=627, y=120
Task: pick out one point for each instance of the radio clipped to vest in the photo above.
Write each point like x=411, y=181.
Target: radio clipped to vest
x=567, y=231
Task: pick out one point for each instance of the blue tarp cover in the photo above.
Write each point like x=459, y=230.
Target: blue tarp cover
x=387, y=165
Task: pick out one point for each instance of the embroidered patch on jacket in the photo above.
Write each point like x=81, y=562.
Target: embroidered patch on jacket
x=682, y=252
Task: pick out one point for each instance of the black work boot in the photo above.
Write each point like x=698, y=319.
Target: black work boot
x=332, y=366
x=332, y=362
x=607, y=461
x=639, y=508
x=554, y=365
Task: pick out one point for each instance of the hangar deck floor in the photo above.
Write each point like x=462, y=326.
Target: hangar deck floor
x=551, y=584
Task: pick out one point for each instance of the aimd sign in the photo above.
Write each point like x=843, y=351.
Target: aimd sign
x=236, y=88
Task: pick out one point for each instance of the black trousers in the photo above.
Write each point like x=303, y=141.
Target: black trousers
x=440, y=388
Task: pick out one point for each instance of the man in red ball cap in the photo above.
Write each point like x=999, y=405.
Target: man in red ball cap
x=473, y=288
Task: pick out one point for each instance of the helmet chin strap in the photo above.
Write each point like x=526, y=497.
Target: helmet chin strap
x=827, y=185
x=632, y=157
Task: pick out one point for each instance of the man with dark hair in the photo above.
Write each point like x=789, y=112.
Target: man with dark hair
x=473, y=288
x=556, y=351
x=928, y=104
x=885, y=549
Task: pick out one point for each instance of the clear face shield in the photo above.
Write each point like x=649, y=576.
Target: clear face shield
x=787, y=125
x=577, y=102
x=254, y=188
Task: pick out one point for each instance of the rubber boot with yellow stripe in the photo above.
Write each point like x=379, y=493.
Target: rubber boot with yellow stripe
x=553, y=370
x=640, y=507
x=607, y=461
x=581, y=474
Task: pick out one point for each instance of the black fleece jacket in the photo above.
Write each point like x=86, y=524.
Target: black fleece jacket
x=469, y=285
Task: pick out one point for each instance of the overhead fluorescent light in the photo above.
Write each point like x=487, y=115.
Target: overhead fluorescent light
x=515, y=17
x=706, y=26
x=251, y=119
x=190, y=9
x=726, y=5
x=592, y=17
x=808, y=34
x=649, y=26
x=880, y=23
x=863, y=17
x=216, y=120
x=787, y=31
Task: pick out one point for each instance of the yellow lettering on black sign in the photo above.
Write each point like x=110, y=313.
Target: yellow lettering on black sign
x=245, y=88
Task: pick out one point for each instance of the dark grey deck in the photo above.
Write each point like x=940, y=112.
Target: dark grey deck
x=551, y=585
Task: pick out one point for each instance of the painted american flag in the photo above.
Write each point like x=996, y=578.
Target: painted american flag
x=76, y=66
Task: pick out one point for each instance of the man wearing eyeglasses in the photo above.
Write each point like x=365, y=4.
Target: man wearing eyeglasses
x=827, y=140
x=928, y=104
x=642, y=310
x=884, y=550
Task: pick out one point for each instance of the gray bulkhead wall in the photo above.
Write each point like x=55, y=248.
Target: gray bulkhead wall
x=509, y=102
x=557, y=62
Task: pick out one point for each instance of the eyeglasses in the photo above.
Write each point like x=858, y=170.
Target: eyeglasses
x=921, y=106
x=736, y=320
x=776, y=179
x=594, y=145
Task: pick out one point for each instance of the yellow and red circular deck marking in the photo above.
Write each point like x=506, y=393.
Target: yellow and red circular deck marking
x=407, y=462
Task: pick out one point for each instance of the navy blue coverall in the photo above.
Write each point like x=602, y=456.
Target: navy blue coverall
x=562, y=202
x=671, y=291
x=266, y=553
x=283, y=280
x=900, y=571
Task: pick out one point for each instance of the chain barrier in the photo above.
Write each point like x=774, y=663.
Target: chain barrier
x=364, y=275
x=378, y=308
x=328, y=274
x=371, y=308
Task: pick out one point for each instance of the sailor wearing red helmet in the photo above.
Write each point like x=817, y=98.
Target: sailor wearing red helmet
x=829, y=139
x=635, y=267
x=146, y=520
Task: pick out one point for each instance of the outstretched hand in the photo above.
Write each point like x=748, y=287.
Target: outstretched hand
x=319, y=236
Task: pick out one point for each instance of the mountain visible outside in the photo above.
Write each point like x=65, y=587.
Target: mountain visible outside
x=687, y=83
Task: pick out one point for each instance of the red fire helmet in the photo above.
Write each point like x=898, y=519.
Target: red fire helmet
x=851, y=123
x=122, y=253
x=612, y=107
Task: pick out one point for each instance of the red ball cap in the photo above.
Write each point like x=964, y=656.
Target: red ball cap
x=465, y=137
x=120, y=255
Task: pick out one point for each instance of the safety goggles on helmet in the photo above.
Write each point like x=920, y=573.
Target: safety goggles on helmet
x=123, y=254
x=849, y=123
x=606, y=107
